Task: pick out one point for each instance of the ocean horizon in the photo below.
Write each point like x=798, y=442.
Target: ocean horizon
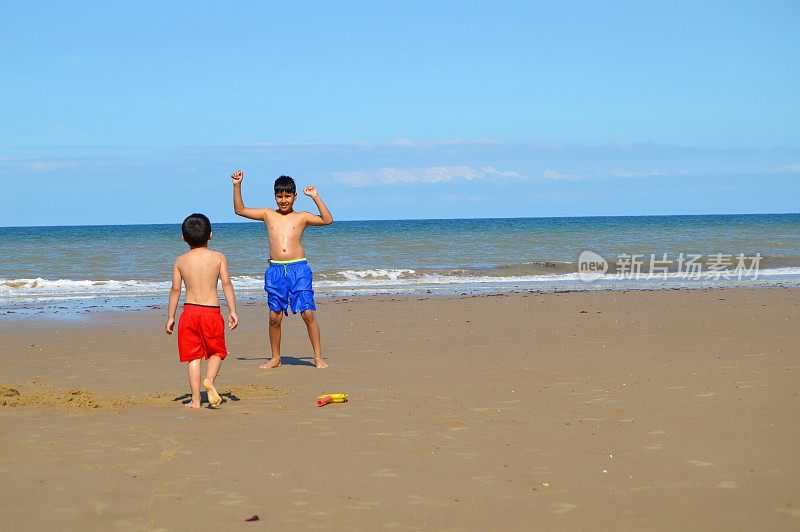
x=337, y=220
x=102, y=265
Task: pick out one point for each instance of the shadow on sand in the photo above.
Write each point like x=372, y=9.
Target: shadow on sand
x=187, y=398
x=286, y=360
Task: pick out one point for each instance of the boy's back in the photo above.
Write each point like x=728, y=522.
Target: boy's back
x=200, y=269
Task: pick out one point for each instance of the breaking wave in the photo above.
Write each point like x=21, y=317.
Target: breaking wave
x=546, y=276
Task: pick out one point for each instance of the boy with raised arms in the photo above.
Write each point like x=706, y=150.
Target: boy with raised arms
x=287, y=280
x=201, y=329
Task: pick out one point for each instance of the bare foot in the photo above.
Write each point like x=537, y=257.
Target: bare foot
x=273, y=363
x=213, y=396
x=192, y=404
x=320, y=362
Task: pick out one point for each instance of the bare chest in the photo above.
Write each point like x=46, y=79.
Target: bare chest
x=285, y=228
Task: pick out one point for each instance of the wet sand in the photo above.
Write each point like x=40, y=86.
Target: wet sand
x=635, y=410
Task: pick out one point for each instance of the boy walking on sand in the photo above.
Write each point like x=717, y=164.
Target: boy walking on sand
x=287, y=281
x=201, y=330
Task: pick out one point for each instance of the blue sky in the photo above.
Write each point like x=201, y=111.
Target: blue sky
x=136, y=112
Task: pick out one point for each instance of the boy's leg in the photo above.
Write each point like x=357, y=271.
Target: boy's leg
x=277, y=300
x=194, y=382
x=313, y=334
x=275, y=319
x=212, y=369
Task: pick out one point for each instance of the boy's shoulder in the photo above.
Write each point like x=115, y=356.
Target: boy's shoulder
x=198, y=254
x=183, y=257
x=213, y=253
x=303, y=214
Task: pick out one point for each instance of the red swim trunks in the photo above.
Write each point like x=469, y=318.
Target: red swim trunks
x=201, y=333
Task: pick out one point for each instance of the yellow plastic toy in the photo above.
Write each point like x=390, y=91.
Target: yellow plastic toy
x=323, y=400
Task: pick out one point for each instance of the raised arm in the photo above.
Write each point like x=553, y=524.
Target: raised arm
x=238, y=203
x=227, y=289
x=174, y=296
x=325, y=217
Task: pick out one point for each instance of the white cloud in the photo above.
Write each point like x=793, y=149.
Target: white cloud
x=396, y=175
x=411, y=143
x=50, y=166
x=433, y=174
x=430, y=174
x=45, y=165
x=637, y=173
x=492, y=171
x=362, y=144
x=443, y=174
x=408, y=143
x=646, y=173
x=554, y=174
x=353, y=179
x=408, y=161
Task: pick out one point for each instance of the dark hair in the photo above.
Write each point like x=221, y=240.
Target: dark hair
x=196, y=229
x=285, y=184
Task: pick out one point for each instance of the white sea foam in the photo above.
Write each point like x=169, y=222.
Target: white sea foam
x=69, y=287
x=247, y=282
x=376, y=280
x=724, y=275
x=768, y=272
x=378, y=274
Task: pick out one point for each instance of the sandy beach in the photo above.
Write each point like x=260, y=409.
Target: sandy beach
x=562, y=411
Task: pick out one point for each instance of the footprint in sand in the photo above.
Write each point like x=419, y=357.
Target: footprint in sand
x=232, y=500
x=793, y=512
x=605, y=400
x=562, y=507
x=427, y=501
x=467, y=456
x=98, y=506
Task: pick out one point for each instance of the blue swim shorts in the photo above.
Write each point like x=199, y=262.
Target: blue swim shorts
x=289, y=283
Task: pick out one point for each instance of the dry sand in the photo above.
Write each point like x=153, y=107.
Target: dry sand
x=609, y=411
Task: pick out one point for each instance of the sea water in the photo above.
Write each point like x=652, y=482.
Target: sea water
x=102, y=266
